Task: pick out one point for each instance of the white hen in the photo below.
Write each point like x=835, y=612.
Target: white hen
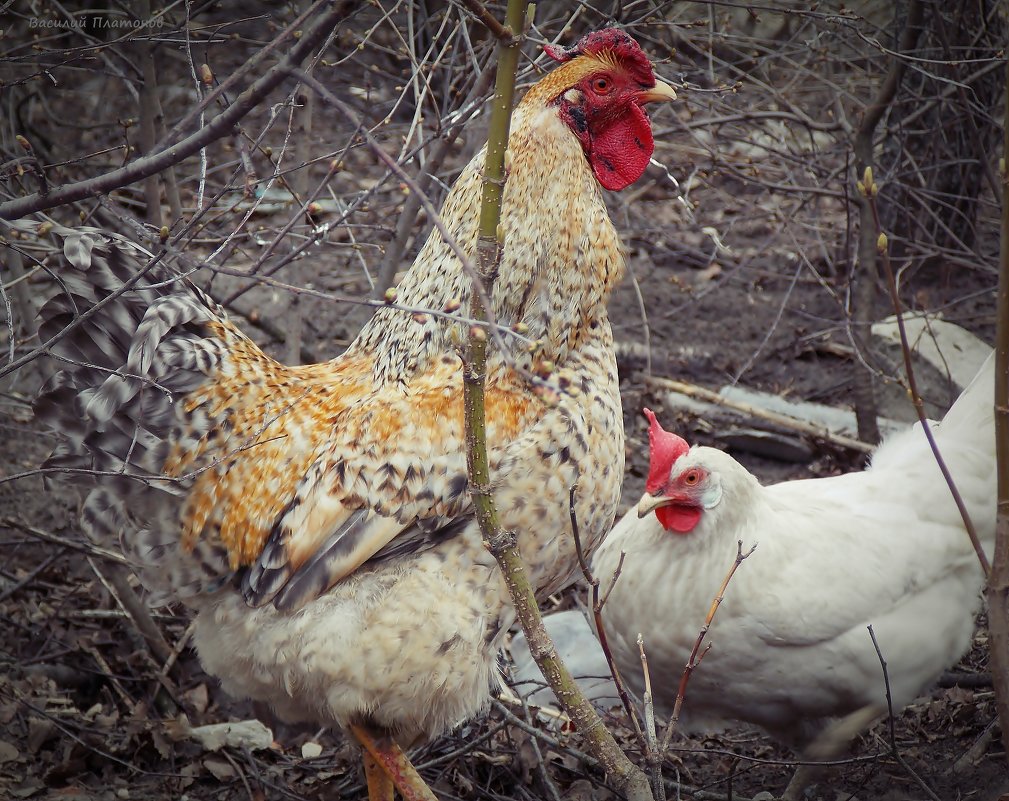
x=790, y=650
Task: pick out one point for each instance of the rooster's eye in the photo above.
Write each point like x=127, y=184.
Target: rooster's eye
x=601, y=86
x=691, y=477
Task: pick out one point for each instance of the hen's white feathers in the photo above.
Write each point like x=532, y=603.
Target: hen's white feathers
x=790, y=649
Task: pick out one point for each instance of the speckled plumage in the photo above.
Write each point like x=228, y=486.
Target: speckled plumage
x=317, y=517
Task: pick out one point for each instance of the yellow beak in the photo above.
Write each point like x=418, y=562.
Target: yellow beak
x=649, y=503
x=659, y=93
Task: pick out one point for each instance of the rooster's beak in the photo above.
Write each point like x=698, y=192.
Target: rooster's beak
x=659, y=93
x=649, y=503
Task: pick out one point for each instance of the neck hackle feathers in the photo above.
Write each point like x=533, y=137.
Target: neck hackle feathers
x=664, y=449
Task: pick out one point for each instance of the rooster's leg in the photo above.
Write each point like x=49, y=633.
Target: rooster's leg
x=385, y=765
x=380, y=786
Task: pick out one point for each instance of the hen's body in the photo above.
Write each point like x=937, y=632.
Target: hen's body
x=318, y=517
x=790, y=650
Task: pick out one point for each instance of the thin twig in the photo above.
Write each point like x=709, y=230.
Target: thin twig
x=864, y=293
x=997, y=591
x=541, y=763
x=26, y=580
x=481, y=292
x=81, y=547
x=217, y=128
x=118, y=586
x=696, y=655
x=870, y=190
x=894, y=752
x=423, y=177
x=597, y=608
x=502, y=33
x=653, y=756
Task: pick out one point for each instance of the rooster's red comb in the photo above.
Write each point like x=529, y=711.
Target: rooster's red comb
x=618, y=44
x=664, y=449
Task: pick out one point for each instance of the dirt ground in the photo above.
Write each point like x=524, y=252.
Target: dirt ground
x=89, y=709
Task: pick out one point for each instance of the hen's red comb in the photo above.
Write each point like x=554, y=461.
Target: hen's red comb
x=664, y=449
x=613, y=41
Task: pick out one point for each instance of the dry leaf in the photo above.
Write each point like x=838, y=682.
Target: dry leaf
x=249, y=734
x=198, y=698
x=40, y=731
x=709, y=273
x=580, y=790
x=92, y=712
x=27, y=788
x=8, y=753
x=161, y=743
x=220, y=768
x=7, y=712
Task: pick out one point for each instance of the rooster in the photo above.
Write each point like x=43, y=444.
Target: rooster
x=317, y=517
x=789, y=647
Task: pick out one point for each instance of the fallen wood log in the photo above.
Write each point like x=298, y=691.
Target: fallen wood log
x=791, y=423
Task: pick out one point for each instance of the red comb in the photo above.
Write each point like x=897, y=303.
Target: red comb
x=614, y=41
x=664, y=449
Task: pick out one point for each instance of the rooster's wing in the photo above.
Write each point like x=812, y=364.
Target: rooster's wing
x=235, y=467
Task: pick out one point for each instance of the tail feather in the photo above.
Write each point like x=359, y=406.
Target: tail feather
x=966, y=439
x=116, y=402
x=972, y=416
x=967, y=428
x=144, y=358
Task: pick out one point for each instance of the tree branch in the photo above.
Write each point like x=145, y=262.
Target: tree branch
x=627, y=778
x=869, y=189
x=997, y=592
x=696, y=654
x=597, y=617
x=504, y=34
x=864, y=294
x=217, y=128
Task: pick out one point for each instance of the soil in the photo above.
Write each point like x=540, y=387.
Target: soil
x=85, y=703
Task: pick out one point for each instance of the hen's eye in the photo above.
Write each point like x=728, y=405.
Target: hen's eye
x=691, y=477
x=601, y=86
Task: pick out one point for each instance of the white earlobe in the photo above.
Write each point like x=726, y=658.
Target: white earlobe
x=712, y=496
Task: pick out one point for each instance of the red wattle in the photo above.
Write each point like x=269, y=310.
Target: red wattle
x=620, y=152
x=681, y=519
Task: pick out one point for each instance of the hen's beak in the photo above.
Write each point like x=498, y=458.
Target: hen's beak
x=649, y=503
x=659, y=93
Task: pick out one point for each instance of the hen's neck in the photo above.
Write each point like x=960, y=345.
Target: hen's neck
x=560, y=262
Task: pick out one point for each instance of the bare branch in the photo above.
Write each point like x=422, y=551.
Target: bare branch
x=504, y=34
x=997, y=592
x=894, y=751
x=870, y=191
x=218, y=127
x=597, y=617
x=696, y=655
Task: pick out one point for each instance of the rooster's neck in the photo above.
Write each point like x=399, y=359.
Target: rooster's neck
x=561, y=257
